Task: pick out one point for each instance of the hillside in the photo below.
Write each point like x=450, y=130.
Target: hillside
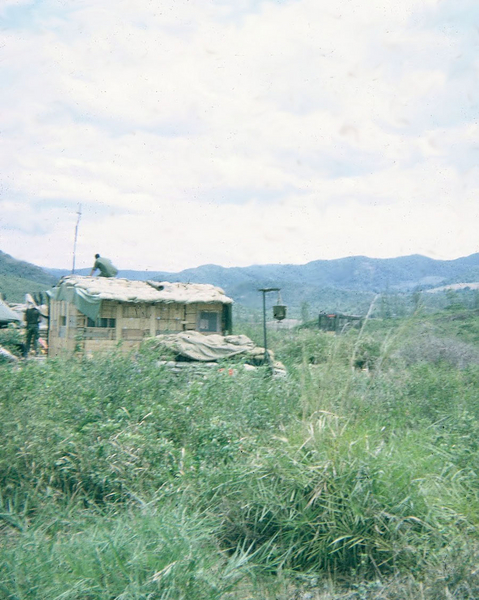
x=18, y=278
x=341, y=284
x=345, y=284
x=358, y=273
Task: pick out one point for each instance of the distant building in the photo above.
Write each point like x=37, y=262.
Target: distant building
x=337, y=322
x=88, y=314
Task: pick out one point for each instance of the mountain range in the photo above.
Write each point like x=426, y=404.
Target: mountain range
x=18, y=277
x=338, y=284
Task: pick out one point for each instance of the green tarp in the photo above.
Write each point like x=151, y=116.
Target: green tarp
x=7, y=315
x=86, y=303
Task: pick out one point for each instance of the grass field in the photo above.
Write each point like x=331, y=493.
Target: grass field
x=354, y=477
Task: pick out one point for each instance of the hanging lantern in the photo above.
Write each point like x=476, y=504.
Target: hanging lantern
x=279, y=309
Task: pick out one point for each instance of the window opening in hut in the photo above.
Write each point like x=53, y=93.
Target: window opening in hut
x=102, y=322
x=208, y=321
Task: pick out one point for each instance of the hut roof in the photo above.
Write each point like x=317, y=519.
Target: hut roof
x=87, y=293
x=126, y=290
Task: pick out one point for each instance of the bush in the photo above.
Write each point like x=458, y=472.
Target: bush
x=428, y=348
x=340, y=499
x=12, y=340
x=162, y=552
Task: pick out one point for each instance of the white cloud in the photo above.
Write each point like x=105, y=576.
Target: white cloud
x=6, y=4
x=236, y=133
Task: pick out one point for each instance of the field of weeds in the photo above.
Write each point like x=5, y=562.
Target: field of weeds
x=353, y=478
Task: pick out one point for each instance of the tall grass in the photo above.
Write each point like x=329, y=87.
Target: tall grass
x=339, y=497
x=155, y=552
x=119, y=479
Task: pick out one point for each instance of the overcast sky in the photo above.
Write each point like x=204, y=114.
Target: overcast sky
x=238, y=132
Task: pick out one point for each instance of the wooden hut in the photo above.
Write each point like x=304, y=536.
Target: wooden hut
x=89, y=314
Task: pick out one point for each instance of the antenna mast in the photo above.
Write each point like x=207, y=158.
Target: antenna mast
x=76, y=236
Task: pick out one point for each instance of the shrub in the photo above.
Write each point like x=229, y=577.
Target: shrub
x=339, y=499
x=162, y=552
x=12, y=340
x=428, y=348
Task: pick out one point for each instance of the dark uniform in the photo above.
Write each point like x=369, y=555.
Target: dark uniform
x=32, y=320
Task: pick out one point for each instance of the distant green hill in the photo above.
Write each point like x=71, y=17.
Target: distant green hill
x=18, y=278
x=345, y=284
x=358, y=273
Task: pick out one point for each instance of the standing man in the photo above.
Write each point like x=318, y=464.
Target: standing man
x=105, y=266
x=32, y=320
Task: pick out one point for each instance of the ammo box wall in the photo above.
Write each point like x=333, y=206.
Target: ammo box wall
x=128, y=323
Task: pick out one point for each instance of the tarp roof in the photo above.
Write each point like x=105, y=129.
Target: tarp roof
x=87, y=293
x=6, y=314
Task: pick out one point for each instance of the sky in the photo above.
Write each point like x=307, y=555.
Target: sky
x=238, y=132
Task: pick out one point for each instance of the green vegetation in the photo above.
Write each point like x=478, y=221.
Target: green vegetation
x=18, y=268
x=354, y=477
x=18, y=278
x=13, y=289
x=11, y=339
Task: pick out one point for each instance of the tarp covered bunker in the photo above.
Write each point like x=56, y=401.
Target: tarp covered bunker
x=198, y=348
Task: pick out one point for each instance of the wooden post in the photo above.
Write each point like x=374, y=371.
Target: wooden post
x=119, y=321
x=153, y=320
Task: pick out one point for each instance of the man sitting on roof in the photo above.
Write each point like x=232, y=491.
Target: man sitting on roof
x=105, y=266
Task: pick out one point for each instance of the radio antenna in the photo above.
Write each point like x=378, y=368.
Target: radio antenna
x=76, y=237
